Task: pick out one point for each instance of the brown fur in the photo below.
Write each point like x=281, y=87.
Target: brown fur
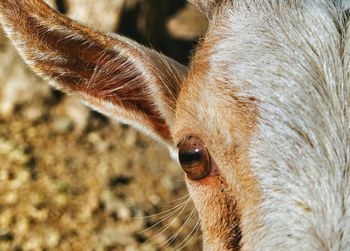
x=240, y=198
x=139, y=86
x=90, y=64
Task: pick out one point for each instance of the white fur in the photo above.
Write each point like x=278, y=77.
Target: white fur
x=291, y=60
x=293, y=57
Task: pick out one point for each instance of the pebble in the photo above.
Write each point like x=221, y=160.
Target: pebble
x=131, y=137
x=52, y=239
x=39, y=215
x=132, y=248
x=180, y=25
x=5, y=235
x=11, y=198
x=149, y=247
x=124, y=212
x=62, y=125
x=22, y=176
x=22, y=226
x=169, y=183
x=78, y=113
x=6, y=218
x=33, y=113
x=34, y=243
x=100, y=144
x=35, y=198
x=61, y=199
x=4, y=174
x=112, y=236
x=154, y=199
x=13, y=153
x=36, y=235
x=115, y=205
x=91, y=206
x=160, y=239
x=62, y=186
x=109, y=200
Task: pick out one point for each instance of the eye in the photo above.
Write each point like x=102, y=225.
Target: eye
x=194, y=158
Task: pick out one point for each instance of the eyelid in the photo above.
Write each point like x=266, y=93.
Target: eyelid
x=194, y=157
x=182, y=135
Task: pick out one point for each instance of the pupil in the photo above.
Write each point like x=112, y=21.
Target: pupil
x=190, y=158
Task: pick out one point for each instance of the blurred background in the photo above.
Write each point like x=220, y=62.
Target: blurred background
x=71, y=179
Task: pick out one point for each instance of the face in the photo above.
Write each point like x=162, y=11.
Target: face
x=260, y=119
x=212, y=132
x=262, y=98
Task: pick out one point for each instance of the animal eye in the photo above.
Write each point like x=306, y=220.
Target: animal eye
x=194, y=158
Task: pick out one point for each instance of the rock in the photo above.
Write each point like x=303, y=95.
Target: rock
x=33, y=112
x=78, y=113
x=42, y=215
x=112, y=236
x=113, y=204
x=91, y=206
x=22, y=176
x=100, y=144
x=11, y=198
x=62, y=186
x=169, y=183
x=124, y=213
x=17, y=87
x=14, y=153
x=132, y=248
x=52, y=238
x=38, y=215
x=149, y=247
x=181, y=25
x=4, y=175
x=22, y=226
x=6, y=218
x=131, y=137
x=60, y=200
x=154, y=199
x=34, y=243
x=90, y=12
x=62, y=125
x=6, y=236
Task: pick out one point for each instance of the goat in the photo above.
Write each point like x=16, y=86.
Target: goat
x=260, y=119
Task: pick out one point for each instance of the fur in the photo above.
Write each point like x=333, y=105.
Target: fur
x=268, y=93
x=292, y=56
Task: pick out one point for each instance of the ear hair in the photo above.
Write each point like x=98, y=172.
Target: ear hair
x=207, y=7
x=110, y=73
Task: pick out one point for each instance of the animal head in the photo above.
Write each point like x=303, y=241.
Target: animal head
x=260, y=119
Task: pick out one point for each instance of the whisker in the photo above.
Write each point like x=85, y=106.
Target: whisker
x=172, y=222
x=178, y=208
x=185, y=197
x=161, y=213
x=172, y=238
x=187, y=240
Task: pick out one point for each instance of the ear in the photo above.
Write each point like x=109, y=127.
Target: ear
x=110, y=73
x=206, y=6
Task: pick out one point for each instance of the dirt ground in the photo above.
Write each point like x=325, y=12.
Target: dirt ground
x=70, y=179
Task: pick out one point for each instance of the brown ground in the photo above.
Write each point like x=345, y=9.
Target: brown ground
x=71, y=179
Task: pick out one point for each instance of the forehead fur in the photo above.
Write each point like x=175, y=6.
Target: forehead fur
x=295, y=62
x=293, y=58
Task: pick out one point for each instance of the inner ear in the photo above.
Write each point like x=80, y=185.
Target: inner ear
x=110, y=73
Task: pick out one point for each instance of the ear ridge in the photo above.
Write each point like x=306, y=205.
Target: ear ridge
x=167, y=90
x=207, y=6
x=110, y=73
